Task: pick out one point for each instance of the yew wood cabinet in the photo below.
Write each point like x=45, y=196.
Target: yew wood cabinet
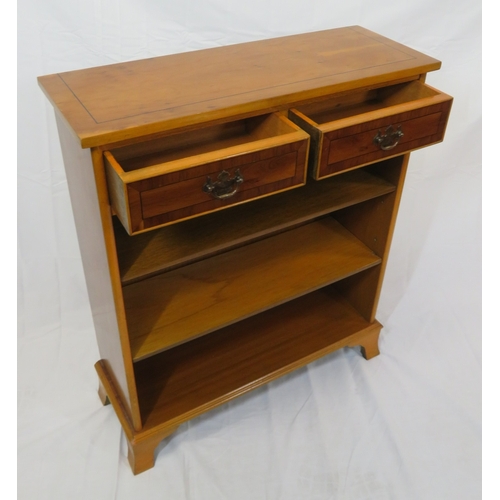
x=234, y=208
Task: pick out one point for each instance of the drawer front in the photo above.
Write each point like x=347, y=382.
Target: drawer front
x=378, y=139
x=355, y=130
x=183, y=194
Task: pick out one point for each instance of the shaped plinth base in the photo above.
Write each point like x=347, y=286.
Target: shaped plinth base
x=141, y=450
x=368, y=342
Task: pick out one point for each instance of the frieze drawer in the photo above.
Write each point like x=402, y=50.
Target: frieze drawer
x=185, y=175
x=364, y=127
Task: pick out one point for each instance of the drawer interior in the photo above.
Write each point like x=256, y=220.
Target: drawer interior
x=199, y=141
x=362, y=102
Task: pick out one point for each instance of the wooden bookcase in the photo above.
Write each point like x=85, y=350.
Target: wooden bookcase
x=234, y=209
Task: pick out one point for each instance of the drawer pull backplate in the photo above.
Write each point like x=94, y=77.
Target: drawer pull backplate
x=224, y=187
x=389, y=139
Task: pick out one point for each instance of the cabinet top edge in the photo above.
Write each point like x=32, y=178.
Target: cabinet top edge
x=123, y=101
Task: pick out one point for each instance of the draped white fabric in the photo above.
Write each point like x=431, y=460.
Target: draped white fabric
x=405, y=425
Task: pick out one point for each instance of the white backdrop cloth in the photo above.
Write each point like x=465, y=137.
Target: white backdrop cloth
x=406, y=425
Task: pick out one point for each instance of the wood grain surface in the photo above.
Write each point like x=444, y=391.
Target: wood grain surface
x=157, y=186
x=195, y=377
x=126, y=100
x=90, y=204
x=194, y=300
x=145, y=254
x=343, y=130
x=196, y=313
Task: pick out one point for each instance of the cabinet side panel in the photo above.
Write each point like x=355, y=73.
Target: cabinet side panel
x=92, y=214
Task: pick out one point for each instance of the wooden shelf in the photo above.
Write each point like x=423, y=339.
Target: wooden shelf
x=244, y=356
x=154, y=252
x=194, y=300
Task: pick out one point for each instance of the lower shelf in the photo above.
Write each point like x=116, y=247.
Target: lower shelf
x=188, y=380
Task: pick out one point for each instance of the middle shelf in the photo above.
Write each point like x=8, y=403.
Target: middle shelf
x=144, y=255
x=177, y=306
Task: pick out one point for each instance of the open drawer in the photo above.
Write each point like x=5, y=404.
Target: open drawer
x=161, y=181
x=360, y=128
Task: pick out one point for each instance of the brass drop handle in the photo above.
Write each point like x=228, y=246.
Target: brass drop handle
x=389, y=139
x=224, y=187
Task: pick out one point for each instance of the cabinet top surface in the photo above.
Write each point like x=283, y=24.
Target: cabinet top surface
x=127, y=100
